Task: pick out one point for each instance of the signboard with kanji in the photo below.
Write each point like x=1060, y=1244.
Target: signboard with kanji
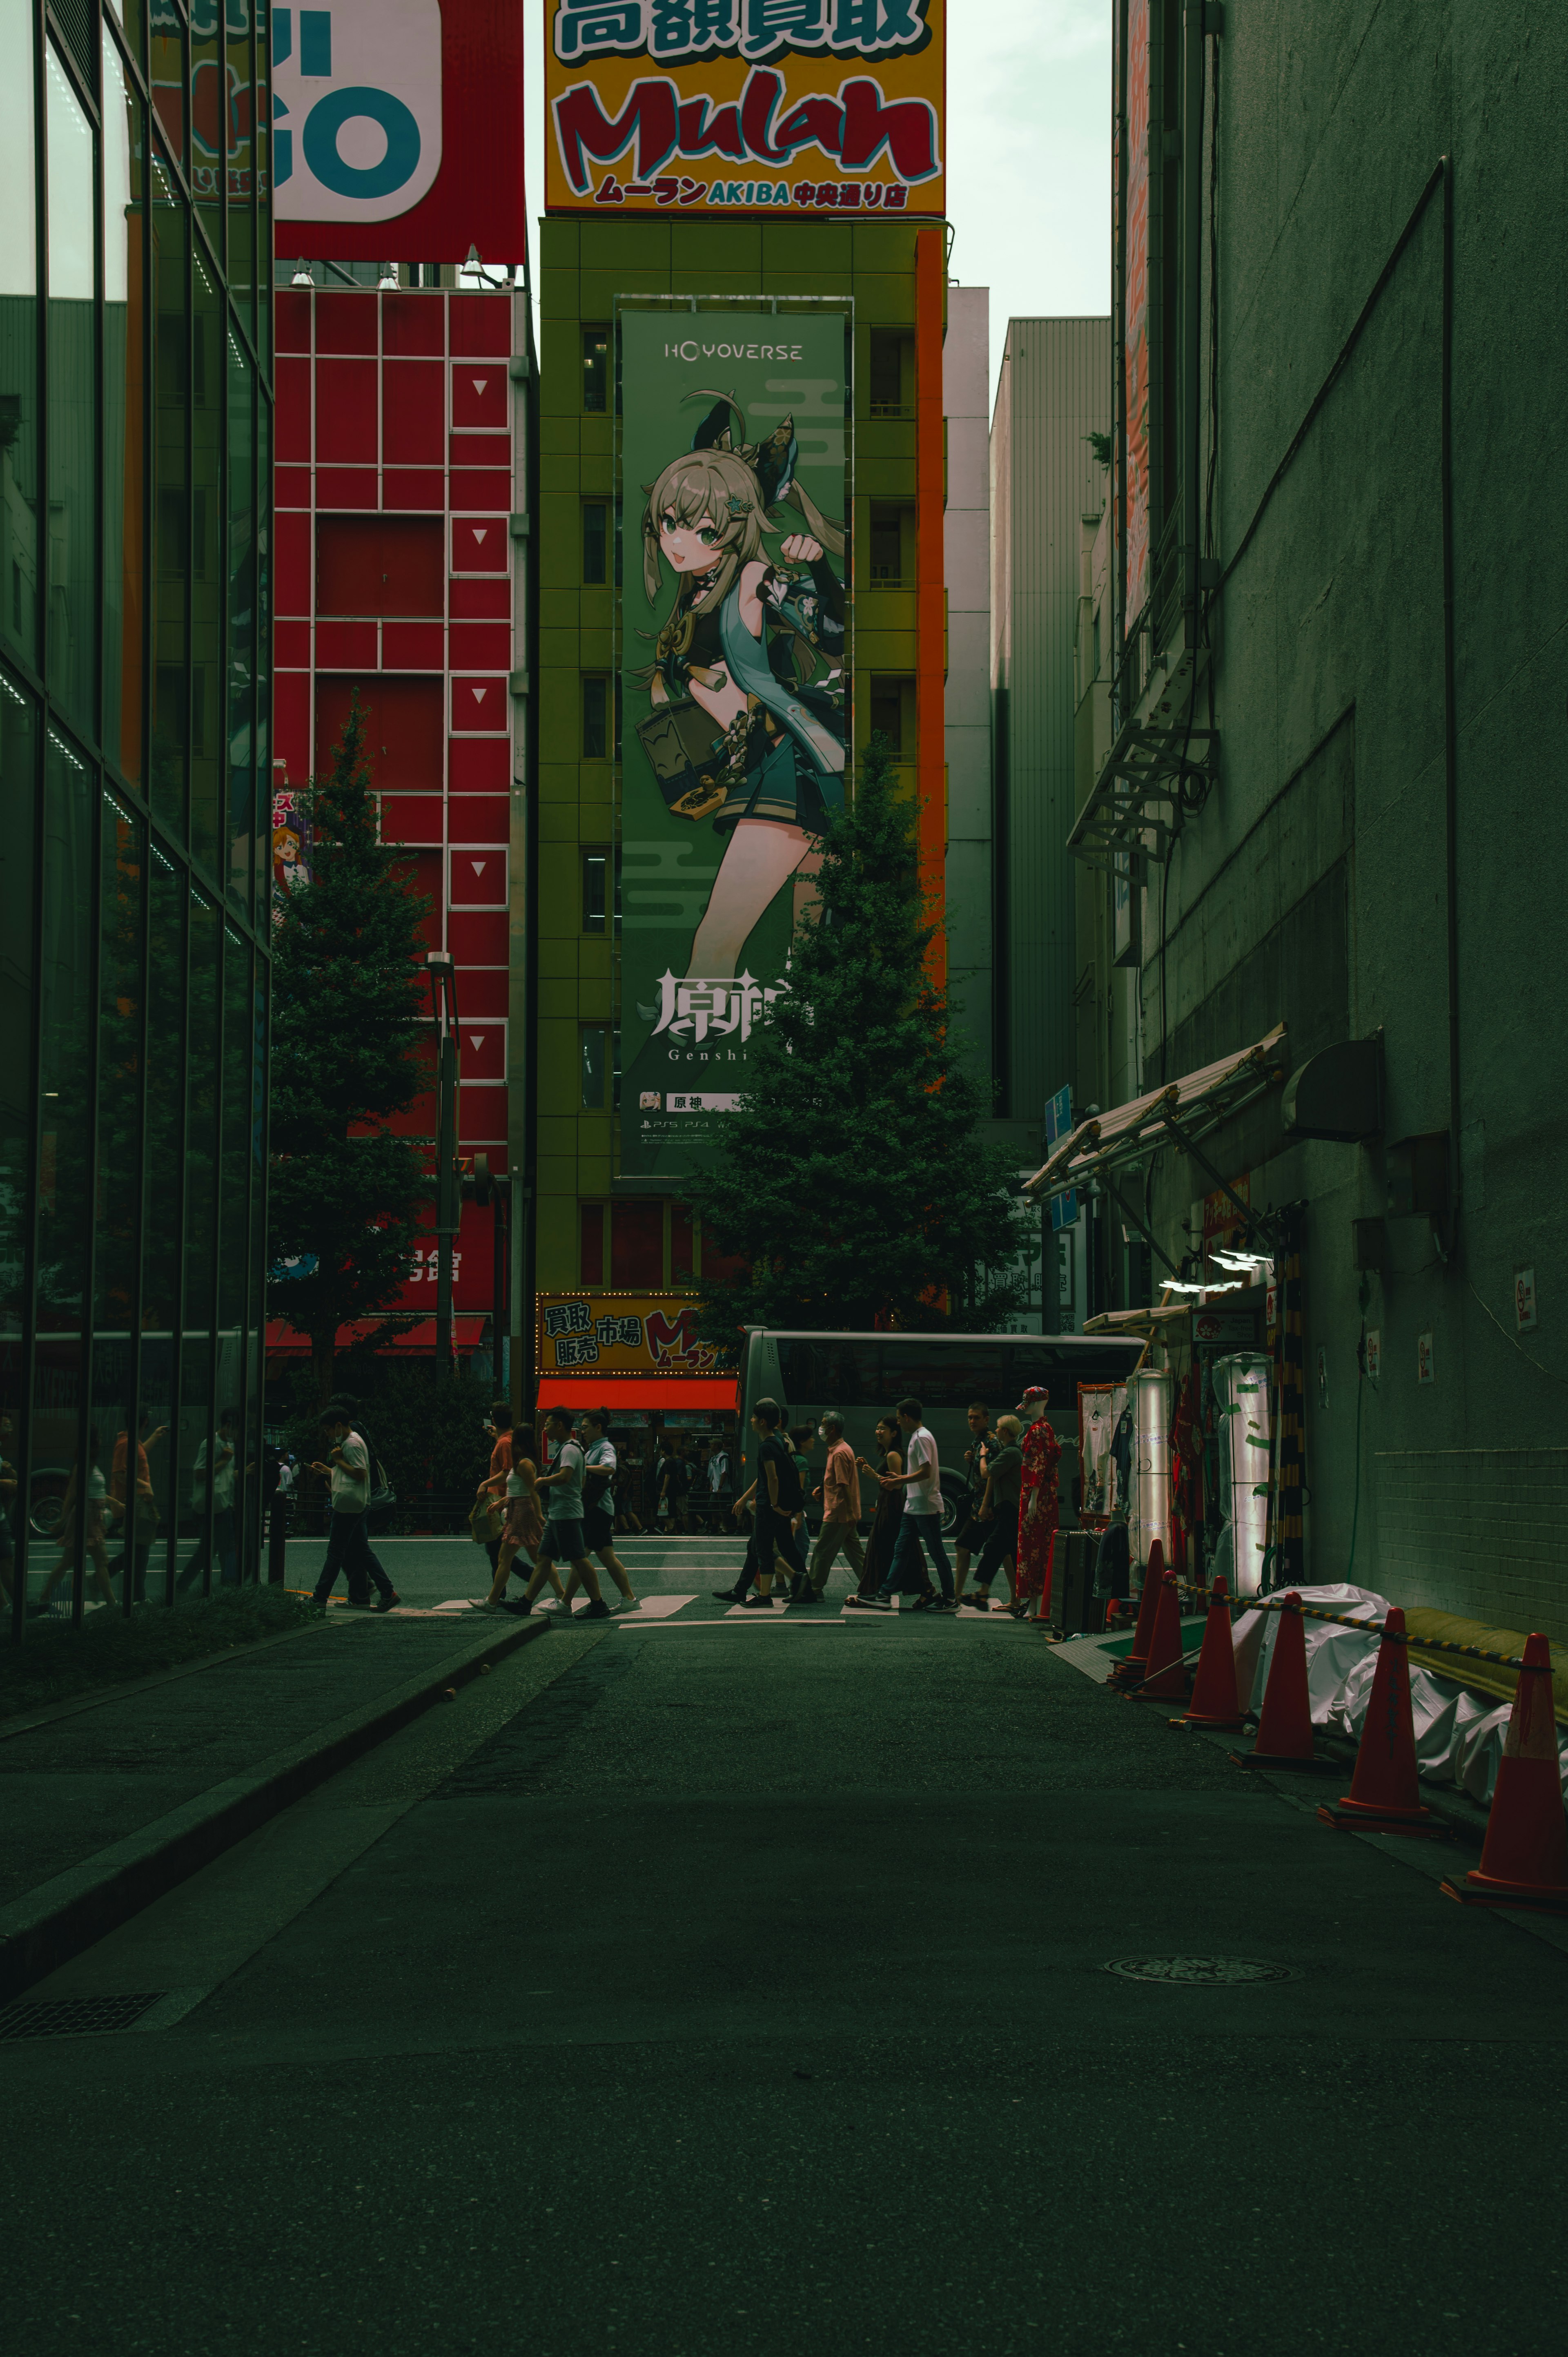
x=620, y=1334
x=804, y=106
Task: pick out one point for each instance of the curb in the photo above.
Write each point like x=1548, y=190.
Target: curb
x=56, y=1921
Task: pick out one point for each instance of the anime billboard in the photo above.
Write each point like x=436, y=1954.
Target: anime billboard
x=803, y=105
x=734, y=672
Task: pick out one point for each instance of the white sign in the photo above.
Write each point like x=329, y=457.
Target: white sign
x=1374, y=1355
x=1524, y=1299
x=356, y=108
x=1426, y=1369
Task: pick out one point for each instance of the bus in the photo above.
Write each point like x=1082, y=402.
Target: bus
x=864, y=1376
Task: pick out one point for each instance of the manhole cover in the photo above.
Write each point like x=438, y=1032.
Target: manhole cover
x=1204, y=1971
x=74, y=2017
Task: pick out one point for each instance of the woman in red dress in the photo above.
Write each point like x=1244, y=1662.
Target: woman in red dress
x=1037, y=1508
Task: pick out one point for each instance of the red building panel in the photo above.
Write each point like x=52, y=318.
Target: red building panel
x=386, y=564
x=480, y=818
x=346, y=486
x=291, y=722
x=292, y=417
x=484, y=990
x=480, y=707
x=479, y=545
x=414, y=818
x=347, y=405
x=481, y=1117
x=291, y=646
x=345, y=323
x=481, y=646
x=413, y=646
x=291, y=564
x=423, y=869
x=480, y=326
x=476, y=876
x=477, y=450
x=290, y=487
x=479, y=397
x=413, y=413
x=476, y=765
x=482, y=1048
x=403, y=487
x=476, y=938
x=411, y=325
x=405, y=732
x=291, y=319
x=345, y=646
x=471, y=600
x=483, y=487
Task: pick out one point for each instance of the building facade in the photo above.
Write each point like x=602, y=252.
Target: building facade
x=1316, y=554
x=969, y=904
x=135, y=454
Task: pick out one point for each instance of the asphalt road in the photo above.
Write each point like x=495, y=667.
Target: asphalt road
x=696, y=1986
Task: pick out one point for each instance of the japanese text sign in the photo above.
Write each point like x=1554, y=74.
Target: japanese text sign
x=620, y=1334
x=804, y=105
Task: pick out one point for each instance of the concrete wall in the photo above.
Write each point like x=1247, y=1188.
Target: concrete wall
x=1313, y=886
x=1053, y=391
x=971, y=885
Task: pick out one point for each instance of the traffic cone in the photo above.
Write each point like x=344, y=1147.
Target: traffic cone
x=1384, y=1793
x=1524, y=1859
x=1129, y=1671
x=1214, y=1702
x=1166, y=1676
x=1284, y=1729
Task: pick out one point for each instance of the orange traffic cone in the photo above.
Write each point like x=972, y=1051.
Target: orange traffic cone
x=1524, y=1859
x=1384, y=1793
x=1137, y=1660
x=1214, y=1702
x=1284, y=1729
x=1166, y=1674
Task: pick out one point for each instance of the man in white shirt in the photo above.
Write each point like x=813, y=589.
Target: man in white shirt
x=564, y=1539
x=922, y=1520
x=347, y=1547
x=598, y=1502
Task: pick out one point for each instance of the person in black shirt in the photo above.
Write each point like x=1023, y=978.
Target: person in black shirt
x=779, y=1498
x=967, y=1533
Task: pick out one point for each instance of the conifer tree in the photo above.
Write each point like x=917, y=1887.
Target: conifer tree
x=348, y=996
x=852, y=1183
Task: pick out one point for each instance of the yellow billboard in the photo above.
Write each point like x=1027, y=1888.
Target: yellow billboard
x=743, y=106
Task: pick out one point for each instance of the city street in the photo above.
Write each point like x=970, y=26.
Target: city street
x=698, y=1984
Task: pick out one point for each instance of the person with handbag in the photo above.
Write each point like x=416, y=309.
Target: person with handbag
x=347, y=1547
x=522, y=1524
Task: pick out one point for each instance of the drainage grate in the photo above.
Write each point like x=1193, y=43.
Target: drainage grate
x=1200, y=1971
x=74, y=2017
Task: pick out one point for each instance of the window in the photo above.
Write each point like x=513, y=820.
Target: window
x=601, y=715
x=637, y=1246
x=596, y=879
x=594, y=1060
x=590, y=1244
x=595, y=370
x=891, y=367
x=892, y=546
x=893, y=712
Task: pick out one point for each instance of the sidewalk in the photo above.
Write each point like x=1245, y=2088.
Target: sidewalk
x=114, y=1799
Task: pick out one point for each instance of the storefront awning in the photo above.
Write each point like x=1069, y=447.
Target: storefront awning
x=669, y=1394
x=467, y=1334
x=1178, y=1115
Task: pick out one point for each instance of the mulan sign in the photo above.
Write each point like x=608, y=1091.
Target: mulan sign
x=734, y=666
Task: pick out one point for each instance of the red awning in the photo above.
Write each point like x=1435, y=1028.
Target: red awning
x=668, y=1394
x=467, y=1334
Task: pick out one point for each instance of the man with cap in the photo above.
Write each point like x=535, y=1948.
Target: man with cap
x=1038, y=1507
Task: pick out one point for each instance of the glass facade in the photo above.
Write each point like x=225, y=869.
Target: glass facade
x=135, y=687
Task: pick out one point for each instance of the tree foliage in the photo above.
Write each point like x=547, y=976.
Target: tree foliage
x=349, y=996
x=852, y=1183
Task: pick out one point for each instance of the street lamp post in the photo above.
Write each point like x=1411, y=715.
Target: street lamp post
x=449, y=1192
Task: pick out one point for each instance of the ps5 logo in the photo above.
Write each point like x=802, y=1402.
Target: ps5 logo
x=356, y=108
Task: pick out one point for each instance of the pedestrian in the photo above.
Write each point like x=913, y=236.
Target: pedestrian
x=779, y=1498
x=138, y=1543
x=841, y=1509
x=222, y=1539
x=966, y=1537
x=347, y=1469
x=516, y=1476
x=564, y=1539
x=888, y=1519
x=923, y=1519
x=98, y=1503
x=1039, y=1508
x=996, y=1517
x=803, y=1438
x=598, y=1524
x=744, y=1504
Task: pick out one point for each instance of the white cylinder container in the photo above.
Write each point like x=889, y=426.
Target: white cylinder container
x=1150, y=1519
x=1246, y=1423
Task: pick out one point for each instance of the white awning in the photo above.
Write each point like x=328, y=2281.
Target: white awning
x=1177, y=1114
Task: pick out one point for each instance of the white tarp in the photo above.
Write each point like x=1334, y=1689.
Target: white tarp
x=1458, y=1735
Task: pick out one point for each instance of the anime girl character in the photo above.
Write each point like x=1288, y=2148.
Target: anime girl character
x=746, y=682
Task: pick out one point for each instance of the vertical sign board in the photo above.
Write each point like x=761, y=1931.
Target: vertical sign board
x=1059, y=1124
x=1135, y=322
x=398, y=131
x=733, y=614
x=801, y=105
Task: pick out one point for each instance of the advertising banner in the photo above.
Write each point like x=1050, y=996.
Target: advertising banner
x=802, y=106
x=734, y=622
x=620, y=1334
x=398, y=131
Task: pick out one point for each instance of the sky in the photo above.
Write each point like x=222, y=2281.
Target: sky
x=1029, y=128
